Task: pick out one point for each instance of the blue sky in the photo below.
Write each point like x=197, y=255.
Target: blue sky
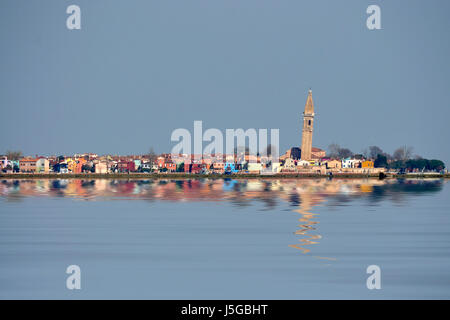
x=137, y=70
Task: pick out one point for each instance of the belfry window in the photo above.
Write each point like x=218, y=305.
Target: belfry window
x=309, y=122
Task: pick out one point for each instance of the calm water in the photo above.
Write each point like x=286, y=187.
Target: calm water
x=213, y=239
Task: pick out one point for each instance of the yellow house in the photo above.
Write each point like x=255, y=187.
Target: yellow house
x=367, y=164
x=334, y=164
x=71, y=164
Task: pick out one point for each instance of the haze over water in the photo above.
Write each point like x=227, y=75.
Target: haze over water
x=230, y=239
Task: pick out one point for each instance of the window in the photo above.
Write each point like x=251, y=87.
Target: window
x=309, y=122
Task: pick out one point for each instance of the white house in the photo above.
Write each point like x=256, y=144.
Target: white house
x=350, y=163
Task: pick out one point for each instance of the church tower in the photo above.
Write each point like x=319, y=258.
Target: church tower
x=308, y=122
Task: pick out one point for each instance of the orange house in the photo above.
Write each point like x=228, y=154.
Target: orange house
x=367, y=164
x=170, y=166
x=78, y=167
x=27, y=164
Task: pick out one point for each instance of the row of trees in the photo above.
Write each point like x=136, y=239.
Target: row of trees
x=13, y=155
x=402, y=158
x=403, y=153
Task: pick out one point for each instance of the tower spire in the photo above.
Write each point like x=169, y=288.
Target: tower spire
x=309, y=106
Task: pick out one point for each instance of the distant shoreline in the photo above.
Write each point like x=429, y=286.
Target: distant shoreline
x=137, y=176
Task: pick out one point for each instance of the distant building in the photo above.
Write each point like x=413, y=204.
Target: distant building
x=351, y=163
x=27, y=165
x=125, y=166
x=101, y=167
x=254, y=168
x=290, y=165
x=43, y=165
x=367, y=164
x=333, y=164
x=170, y=166
x=317, y=153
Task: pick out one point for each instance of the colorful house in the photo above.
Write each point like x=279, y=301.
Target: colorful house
x=43, y=165
x=254, y=168
x=333, y=164
x=126, y=166
x=101, y=167
x=170, y=166
x=27, y=164
x=367, y=164
x=230, y=167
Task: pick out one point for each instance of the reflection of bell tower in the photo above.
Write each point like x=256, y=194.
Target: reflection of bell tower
x=308, y=122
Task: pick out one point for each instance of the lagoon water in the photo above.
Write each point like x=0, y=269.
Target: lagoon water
x=225, y=239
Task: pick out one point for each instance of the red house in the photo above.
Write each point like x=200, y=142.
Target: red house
x=126, y=166
x=193, y=168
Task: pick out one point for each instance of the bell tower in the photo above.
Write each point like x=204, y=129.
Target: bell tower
x=308, y=124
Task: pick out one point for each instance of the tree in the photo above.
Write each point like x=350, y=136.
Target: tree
x=436, y=165
x=403, y=153
x=365, y=153
x=13, y=155
x=335, y=151
x=344, y=153
x=380, y=161
x=152, y=156
x=374, y=151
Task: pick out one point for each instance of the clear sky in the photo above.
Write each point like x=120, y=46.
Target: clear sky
x=137, y=70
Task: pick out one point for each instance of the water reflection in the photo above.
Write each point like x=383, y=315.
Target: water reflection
x=301, y=195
